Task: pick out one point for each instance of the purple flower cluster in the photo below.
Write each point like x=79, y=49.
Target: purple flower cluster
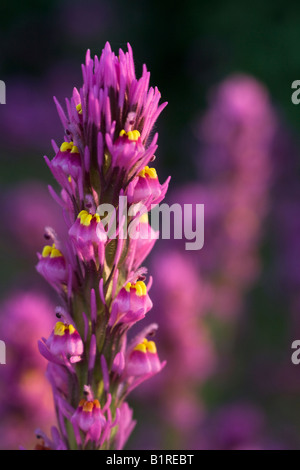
x=105, y=154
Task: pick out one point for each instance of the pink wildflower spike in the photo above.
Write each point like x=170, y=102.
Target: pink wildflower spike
x=105, y=155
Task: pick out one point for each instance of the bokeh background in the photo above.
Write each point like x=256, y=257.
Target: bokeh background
x=230, y=138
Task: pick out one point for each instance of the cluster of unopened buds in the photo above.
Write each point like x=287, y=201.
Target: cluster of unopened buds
x=92, y=365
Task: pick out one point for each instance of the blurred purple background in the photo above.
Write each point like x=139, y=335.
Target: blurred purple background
x=229, y=138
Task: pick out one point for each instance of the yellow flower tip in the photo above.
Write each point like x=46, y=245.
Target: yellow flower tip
x=139, y=286
x=86, y=218
x=146, y=346
x=74, y=149
x=46, y=251
x=55, y=253
x=144, y=218
x=65, y=146
x=79, y=108
x=88, y=406
x=51, y=251
x=96, y=404
x=69, y=179
x=151, y=172
x=131, y=135
x=128, y=286
x=61, y=328
x=71, y=329
x=151, y=347
x=69, y=146
x=141, y=347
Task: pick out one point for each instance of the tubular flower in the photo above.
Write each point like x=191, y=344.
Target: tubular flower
x=98, y=274
x=89, y=418
x=65, y=340
x=143, y=359
x=146, y=188
x=52, y=265
x=131, y=304
x=88, y=235
x=66, y=161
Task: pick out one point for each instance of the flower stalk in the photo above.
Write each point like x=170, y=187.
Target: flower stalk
x=104, y=159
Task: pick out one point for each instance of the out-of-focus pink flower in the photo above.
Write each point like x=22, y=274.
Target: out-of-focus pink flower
x=28, y=208
x=235, y=178
x=235, y=427
x=25, y=395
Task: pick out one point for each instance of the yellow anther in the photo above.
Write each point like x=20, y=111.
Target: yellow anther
x=139, y=290
x=71, y=329
x=61, y=328
x=46, y=251
x=141, y=347
x=96, y=404
x=131, y=135
x=69, y=179
x=144, y=218
x=86, y=218
x=74, y=149
x=128, y=286
x=146, y=346
x=65, y=146
x=88, y=406
x=139, y=286
x=55, y=253
x=151, y=172
x=79, y=108
x=151, y=347
x=51, y=251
